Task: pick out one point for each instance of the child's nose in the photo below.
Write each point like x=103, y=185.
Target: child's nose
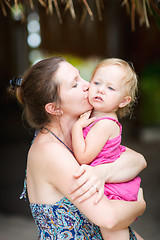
x=101, y=90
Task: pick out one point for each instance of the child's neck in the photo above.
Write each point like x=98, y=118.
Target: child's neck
x=98, y=114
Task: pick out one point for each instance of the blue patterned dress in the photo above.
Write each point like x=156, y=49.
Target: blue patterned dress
x=63, y=220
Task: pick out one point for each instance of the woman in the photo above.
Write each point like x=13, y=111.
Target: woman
x=54, y=96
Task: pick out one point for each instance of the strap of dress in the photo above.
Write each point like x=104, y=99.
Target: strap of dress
x=24, y=192
x=59, y=140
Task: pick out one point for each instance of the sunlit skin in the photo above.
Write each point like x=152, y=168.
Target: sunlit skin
x=51, y=168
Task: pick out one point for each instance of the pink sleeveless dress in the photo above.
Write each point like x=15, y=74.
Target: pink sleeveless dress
x=112, y=150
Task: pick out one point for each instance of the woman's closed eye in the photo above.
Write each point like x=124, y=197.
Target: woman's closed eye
x=75, y=84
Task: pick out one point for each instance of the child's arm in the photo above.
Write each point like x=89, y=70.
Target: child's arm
x=126, y=167
x=86, y=150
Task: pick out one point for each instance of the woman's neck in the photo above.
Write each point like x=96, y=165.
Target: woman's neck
x=62, y=128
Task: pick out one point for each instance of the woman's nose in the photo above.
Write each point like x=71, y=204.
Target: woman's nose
x=85, y=85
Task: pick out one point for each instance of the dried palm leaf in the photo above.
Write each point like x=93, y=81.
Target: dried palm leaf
x=140, y=12
x=8, y=4
x=156, y=9
x=88, y=9
x=43, y=3
x=126, y=3
x=70, y=7
x=16, y=4
x=141, y=7
x=31, y=4
x=3, y=9
x=133, y=7
x=84, y=14
x=50, y=7
x=102, y=4
x=57, y=10
x=99, y=10
x=145, y=13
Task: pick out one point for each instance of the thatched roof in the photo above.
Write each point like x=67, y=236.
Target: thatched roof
x=133, y=7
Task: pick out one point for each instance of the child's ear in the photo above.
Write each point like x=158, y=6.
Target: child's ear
x=125, y=101
x=52, y=109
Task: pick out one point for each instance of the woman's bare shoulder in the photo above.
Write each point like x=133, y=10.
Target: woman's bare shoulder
x=51, y=154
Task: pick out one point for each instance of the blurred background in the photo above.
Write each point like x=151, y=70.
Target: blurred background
x=84, y=32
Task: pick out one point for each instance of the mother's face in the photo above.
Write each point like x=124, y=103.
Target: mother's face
x=73, y=90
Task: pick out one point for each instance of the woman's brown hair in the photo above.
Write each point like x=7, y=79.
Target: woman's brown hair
x=38, y=87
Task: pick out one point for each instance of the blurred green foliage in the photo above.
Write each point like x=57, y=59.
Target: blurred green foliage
x=150, y=89
x=84, y=65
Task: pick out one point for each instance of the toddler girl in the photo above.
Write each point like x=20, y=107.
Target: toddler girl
x=97, y=140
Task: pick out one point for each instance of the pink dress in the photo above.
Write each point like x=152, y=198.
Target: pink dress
x=112, y=150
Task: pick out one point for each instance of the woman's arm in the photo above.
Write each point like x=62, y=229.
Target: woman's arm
x=125, y=168
x=118, y=214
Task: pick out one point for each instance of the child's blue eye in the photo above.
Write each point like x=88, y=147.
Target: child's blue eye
x=96, y=83
x=110, y=88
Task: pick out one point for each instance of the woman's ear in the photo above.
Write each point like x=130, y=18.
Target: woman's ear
x=125, y=101
x=52, y=109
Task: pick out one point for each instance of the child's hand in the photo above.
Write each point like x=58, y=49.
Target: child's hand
x=84, y=120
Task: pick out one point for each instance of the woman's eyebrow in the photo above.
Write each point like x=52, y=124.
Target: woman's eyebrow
x=74, y=80
x=76, y=77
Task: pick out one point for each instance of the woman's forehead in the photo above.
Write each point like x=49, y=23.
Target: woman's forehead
x=66, y=72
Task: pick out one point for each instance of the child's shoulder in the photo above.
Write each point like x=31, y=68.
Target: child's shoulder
x=108, y=126
x=105, y=123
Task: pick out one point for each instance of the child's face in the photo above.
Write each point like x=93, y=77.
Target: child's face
x=107, y=89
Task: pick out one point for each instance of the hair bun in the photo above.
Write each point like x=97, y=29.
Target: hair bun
x=15, y=82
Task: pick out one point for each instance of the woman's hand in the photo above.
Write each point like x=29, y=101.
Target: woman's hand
x=90, y=180
x=141, y=199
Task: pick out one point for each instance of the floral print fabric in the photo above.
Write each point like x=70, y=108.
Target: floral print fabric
x=63, y=221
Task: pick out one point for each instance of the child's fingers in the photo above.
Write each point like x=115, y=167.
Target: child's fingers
x=100, y=194
x=86, y=114
x=84, y=120
x=90, y=120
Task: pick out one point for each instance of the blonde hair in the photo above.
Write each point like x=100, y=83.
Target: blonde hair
x=131, y=82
